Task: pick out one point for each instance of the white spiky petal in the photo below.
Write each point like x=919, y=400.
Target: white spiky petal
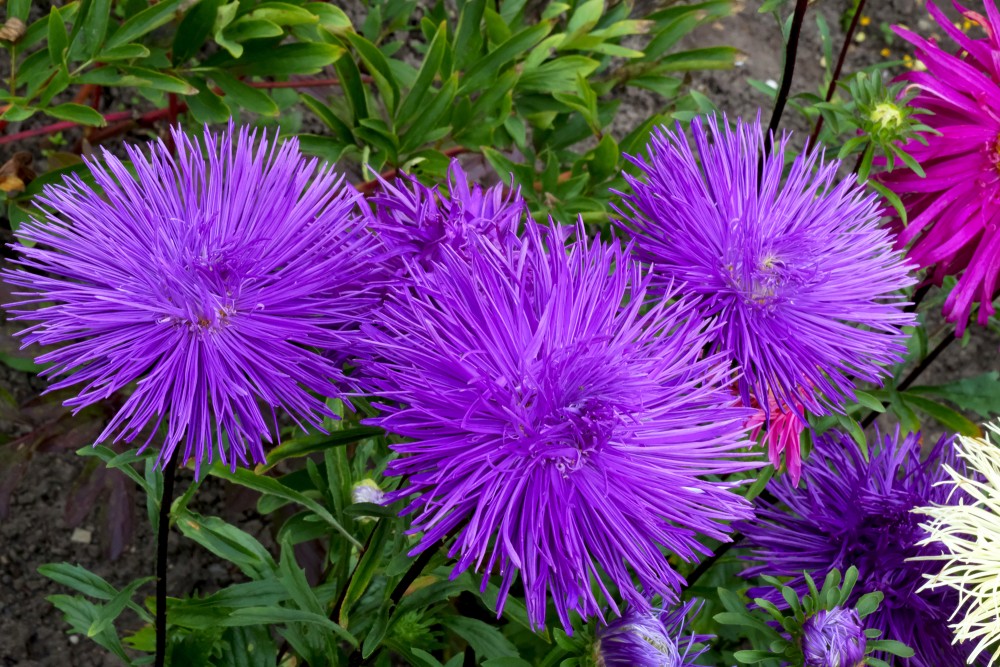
x=970, y=533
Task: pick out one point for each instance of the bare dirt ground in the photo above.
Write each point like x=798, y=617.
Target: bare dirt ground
x=39, y=527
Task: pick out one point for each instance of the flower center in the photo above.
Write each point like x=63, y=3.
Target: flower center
x=759, y=283
x=887, y=116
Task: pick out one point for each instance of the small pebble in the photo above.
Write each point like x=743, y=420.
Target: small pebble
x=80, y=536
x=771, y=83
x=74, y=639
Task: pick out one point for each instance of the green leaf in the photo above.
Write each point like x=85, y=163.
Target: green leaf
x=79, y=579
x=892, y=646
x=428, y=119
x=88, y=30
x=365, y=569
x=137, y=77
x=868, y=603
x=80, y=614
x=308, y=444
x=275, y=615
x=487, y=67
x=979, y=394
x=271, y=486
x=558, y=75
x=77, y=113
x=425, y=75
x=283, y=13
x=751, y=657
x=58, y=37
x=286, y=59
x=244, y=96
x=585, y=17
x=353, y=87
x=194, y=30
x=486, y=640
x=144, y=22
x=227, y=542
x=379, y=69
x=113, y=609
x=947, y=417
x=207, y=107
x=125, y=52
x=468, y=35
x=869, y=401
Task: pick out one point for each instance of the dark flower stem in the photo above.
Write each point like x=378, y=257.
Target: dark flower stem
x=707, y=564
x=162, y=535
x=791, y=53
x=832, y=88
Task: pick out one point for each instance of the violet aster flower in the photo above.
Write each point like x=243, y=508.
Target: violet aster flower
x=415, y=222
x=558, y=428
x=212, y=283
x=649, y=639
x=834, y=638
x=798, y=270
x=849, y=511
x=954, y=212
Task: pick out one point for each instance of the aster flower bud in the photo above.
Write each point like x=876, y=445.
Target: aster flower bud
x=648, y=639
x=367, y=491
x=834, y=638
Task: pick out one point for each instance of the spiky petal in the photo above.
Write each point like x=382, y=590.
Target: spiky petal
x=649, y=639
x=851, y=511
x=548, y=414
x=834, y=638
x=798, y=269
x=953, y=212
x=970, y=533
x=212, y=283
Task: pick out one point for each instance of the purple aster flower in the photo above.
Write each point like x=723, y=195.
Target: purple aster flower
x=649, y=639
x=558, y=428
x=834, y=638
x=211, y=283
x=797, y=269
x=849, y=511
x=954, y=212
x=415, y=222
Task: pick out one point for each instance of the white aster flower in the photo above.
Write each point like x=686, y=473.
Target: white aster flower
x=970, y=533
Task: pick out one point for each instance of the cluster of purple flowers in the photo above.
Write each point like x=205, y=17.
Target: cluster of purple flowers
x=571, y=412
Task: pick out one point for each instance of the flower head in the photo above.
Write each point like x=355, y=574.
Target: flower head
x=798, y=270
x=853, y=512
x=548, y=411
x=970, y=533
x=834, y=638
x=415, y=222
x=214, y=284
x=953, y=212
x=648, y=639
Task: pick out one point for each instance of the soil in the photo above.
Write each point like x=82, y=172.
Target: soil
x=39, y=527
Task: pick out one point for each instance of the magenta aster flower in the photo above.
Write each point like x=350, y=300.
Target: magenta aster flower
x=849, y=511
x=649, y=639
x=954, y=212
x=209, y=287
x=415, y=222
x=557, y=427
x=782, y=430
x=796, y=268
